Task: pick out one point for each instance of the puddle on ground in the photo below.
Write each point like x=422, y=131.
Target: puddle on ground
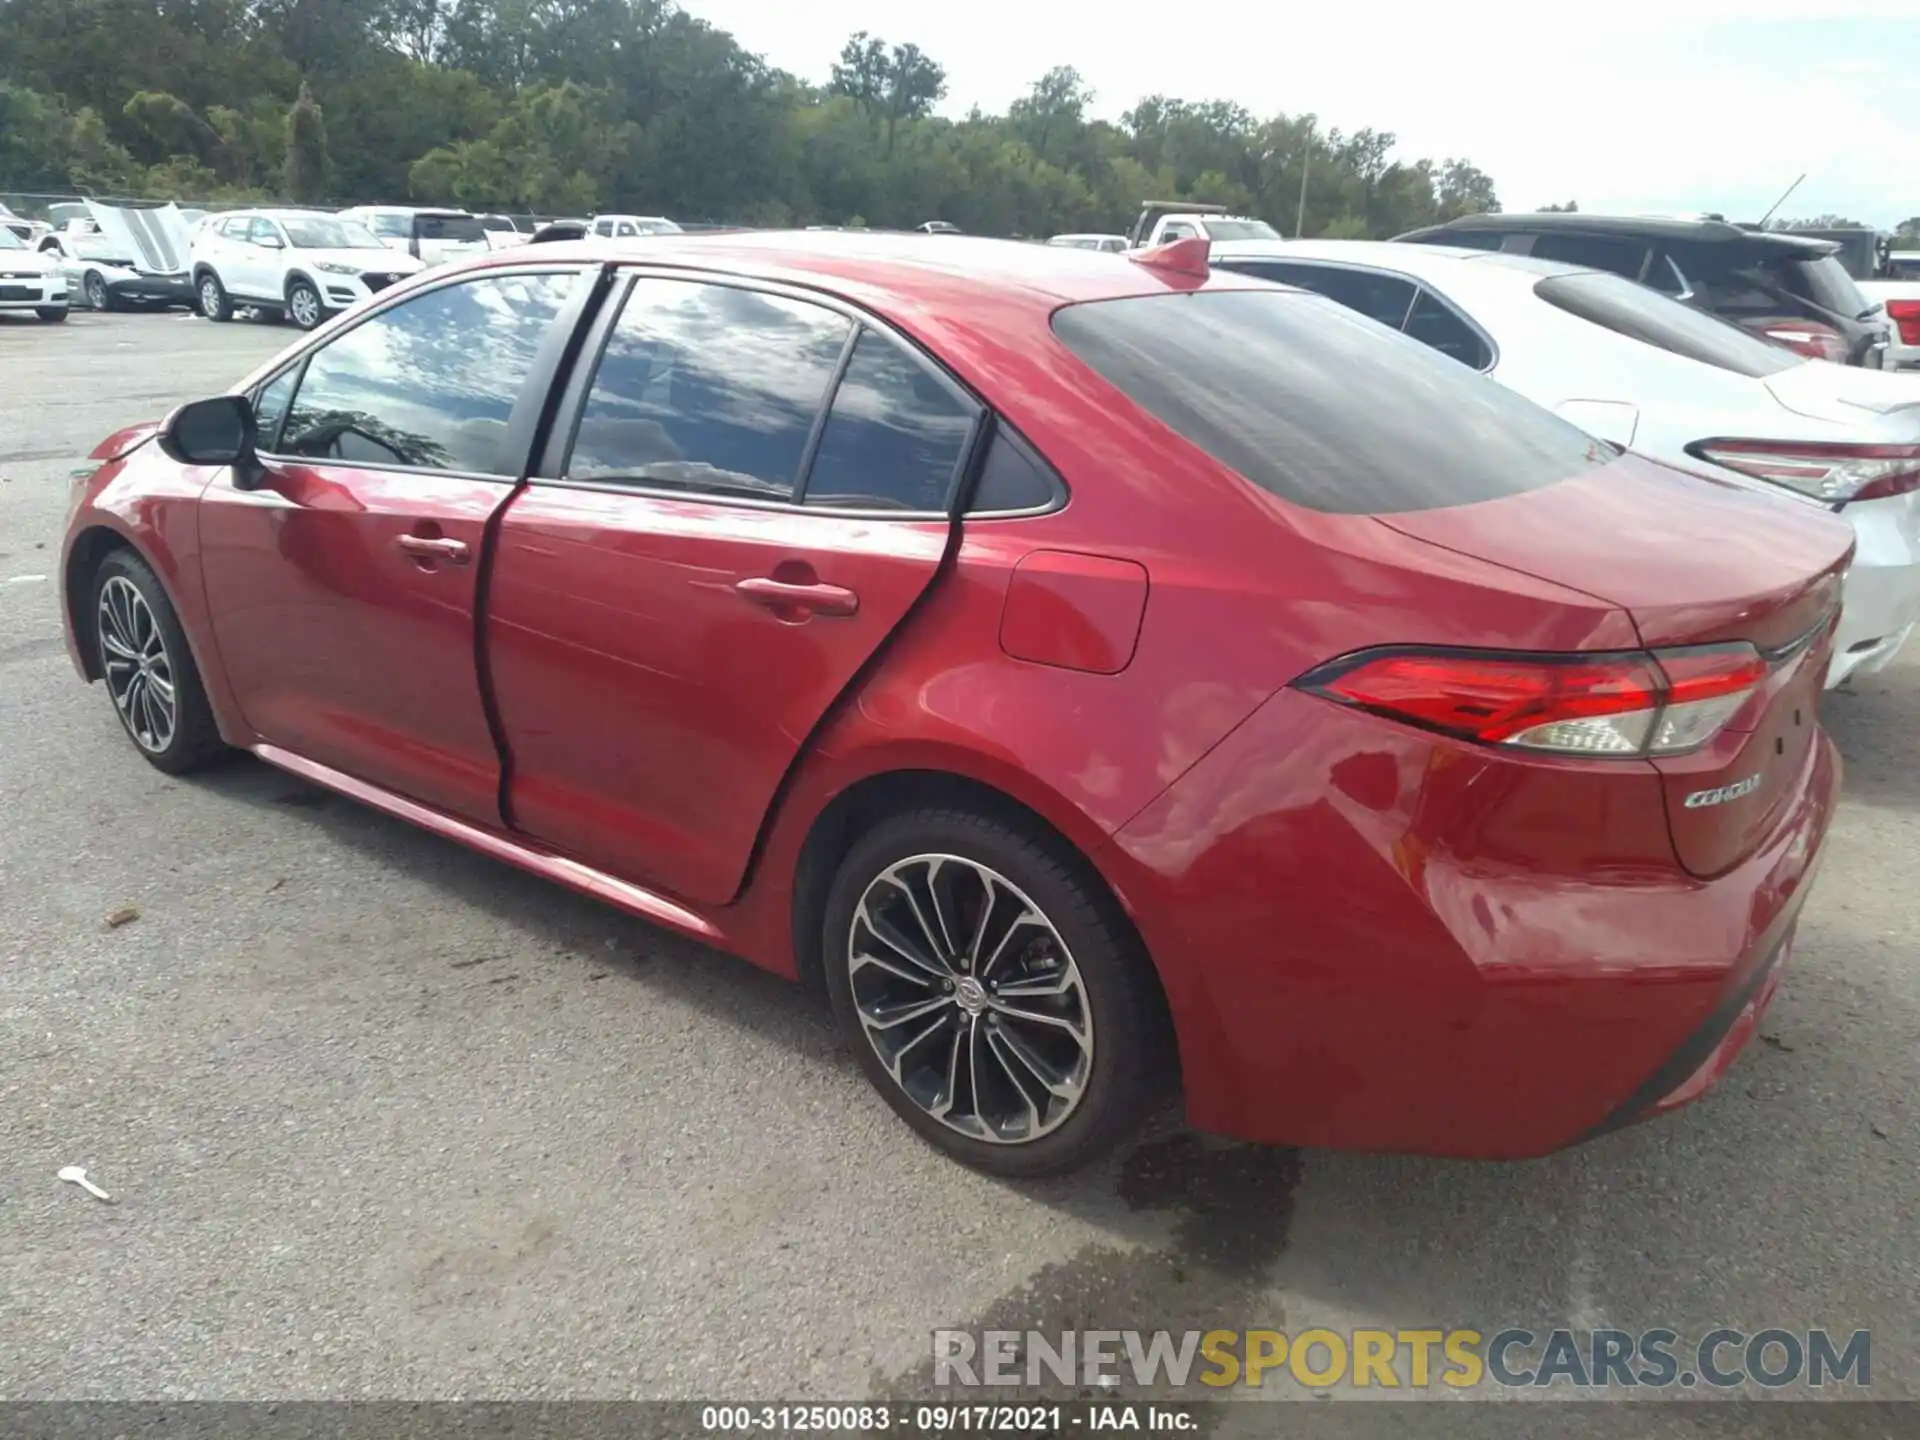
x=1231, y=1208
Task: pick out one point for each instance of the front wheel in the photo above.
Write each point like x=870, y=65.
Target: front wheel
x=215, y=303
x=992, y=992
x=149, y=670
x=303, y=305
x=98, y=296
x=52, y=313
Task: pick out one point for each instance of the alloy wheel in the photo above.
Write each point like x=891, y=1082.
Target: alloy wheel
x=96, y=292
x=139, y=670
x=305, y=306
x=970, y=998
x=210, y=297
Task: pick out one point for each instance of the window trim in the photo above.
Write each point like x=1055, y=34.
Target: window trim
x=531, y=406
x=558, y=447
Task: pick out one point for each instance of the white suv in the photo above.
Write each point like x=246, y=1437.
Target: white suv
x=623, y=227
x=302, y=264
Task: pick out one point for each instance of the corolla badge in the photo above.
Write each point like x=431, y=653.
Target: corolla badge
x=1699, y=799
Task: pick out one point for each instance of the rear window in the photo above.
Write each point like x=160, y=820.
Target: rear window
x=1321, y=407
x=448, y=227
x=1241, y=230
x=1826, y=283
x=1651, y=318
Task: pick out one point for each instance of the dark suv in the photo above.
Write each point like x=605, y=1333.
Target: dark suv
x=1790, y=288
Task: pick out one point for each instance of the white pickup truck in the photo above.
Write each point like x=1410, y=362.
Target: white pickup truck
x=1899, y=291
x=1163, y=221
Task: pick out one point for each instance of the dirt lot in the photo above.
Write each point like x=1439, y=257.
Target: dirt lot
x=384, y=1118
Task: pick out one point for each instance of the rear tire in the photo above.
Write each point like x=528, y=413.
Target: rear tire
x=150, y=675
x=52, y=313
x=1021, y=1031
x=215, y=303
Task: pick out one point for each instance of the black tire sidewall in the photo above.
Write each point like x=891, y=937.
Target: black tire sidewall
x=1129, y=1060
x=196, y=736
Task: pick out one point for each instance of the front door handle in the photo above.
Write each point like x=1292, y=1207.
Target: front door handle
x=435, y=547
x=815, y=599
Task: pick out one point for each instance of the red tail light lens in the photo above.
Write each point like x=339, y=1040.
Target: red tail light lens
x=1806, y=337
x=1834, y=473
x=1905, y=315
x=1627, y=705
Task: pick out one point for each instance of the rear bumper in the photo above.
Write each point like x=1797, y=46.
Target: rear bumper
x=1882, y=598
x=1374, y=940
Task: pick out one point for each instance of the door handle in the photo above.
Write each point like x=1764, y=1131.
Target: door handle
x=816, y=599
x=435, y=547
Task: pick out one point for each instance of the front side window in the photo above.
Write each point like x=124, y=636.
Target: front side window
x=895, y=436
x=1311, y=402
x=430, y=383
x=709, y=388
x=392, y=226
x=1597, y=252
x=1640, y=314
x=270, y=407
x=264, y=232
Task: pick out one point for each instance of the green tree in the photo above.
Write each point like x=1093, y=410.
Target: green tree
x=308, y=166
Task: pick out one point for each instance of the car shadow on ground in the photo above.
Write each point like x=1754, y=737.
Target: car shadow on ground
x=1874, y=721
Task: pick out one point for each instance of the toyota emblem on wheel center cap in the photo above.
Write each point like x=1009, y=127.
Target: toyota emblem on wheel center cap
x=971, y=994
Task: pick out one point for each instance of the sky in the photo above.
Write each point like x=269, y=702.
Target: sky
x=1629, y=106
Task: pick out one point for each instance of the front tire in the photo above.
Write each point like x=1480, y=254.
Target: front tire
x=52, y=313
x=98, y=296
x=992, y=992
x=215, y=303
x=304, y=306
x=149, y=670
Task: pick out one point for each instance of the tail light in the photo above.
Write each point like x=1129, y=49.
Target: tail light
x=1833, y=472
x=1620, y=705
x=1905, y=315
x=1807, y=337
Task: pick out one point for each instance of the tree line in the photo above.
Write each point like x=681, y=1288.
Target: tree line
x=573, y=106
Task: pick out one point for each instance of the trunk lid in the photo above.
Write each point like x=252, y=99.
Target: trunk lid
x=1693, y=562
x=1845, y=394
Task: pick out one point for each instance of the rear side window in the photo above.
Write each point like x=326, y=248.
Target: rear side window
x=1462, y=239
x=1436, y=325
x=1384, y=298
x=708, y=388
x=1320, y=407
x=1596, y=252
x=391, y=226
x=1647, y=316
x=448, y=227
x=895, y=436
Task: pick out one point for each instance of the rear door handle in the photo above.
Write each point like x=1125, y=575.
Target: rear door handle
x=435, y=547
x=816, y=599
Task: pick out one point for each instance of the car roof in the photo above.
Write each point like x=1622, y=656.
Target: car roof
x=1429, y=261
x=893, y=271
x=1646, y=227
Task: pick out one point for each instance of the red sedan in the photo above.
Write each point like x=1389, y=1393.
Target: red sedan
x=1096, y=673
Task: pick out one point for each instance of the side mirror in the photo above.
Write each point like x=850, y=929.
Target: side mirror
x=270, y=242
x=220, y=431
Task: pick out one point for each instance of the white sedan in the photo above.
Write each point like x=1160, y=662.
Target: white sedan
x=1648, y=373
x=30, y=280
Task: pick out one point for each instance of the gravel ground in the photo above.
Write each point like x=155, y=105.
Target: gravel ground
x=383, y=1118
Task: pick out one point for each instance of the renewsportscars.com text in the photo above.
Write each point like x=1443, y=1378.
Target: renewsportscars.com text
x=1459, y=1359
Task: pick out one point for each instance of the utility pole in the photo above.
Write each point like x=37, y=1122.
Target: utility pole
x=1306, y=161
